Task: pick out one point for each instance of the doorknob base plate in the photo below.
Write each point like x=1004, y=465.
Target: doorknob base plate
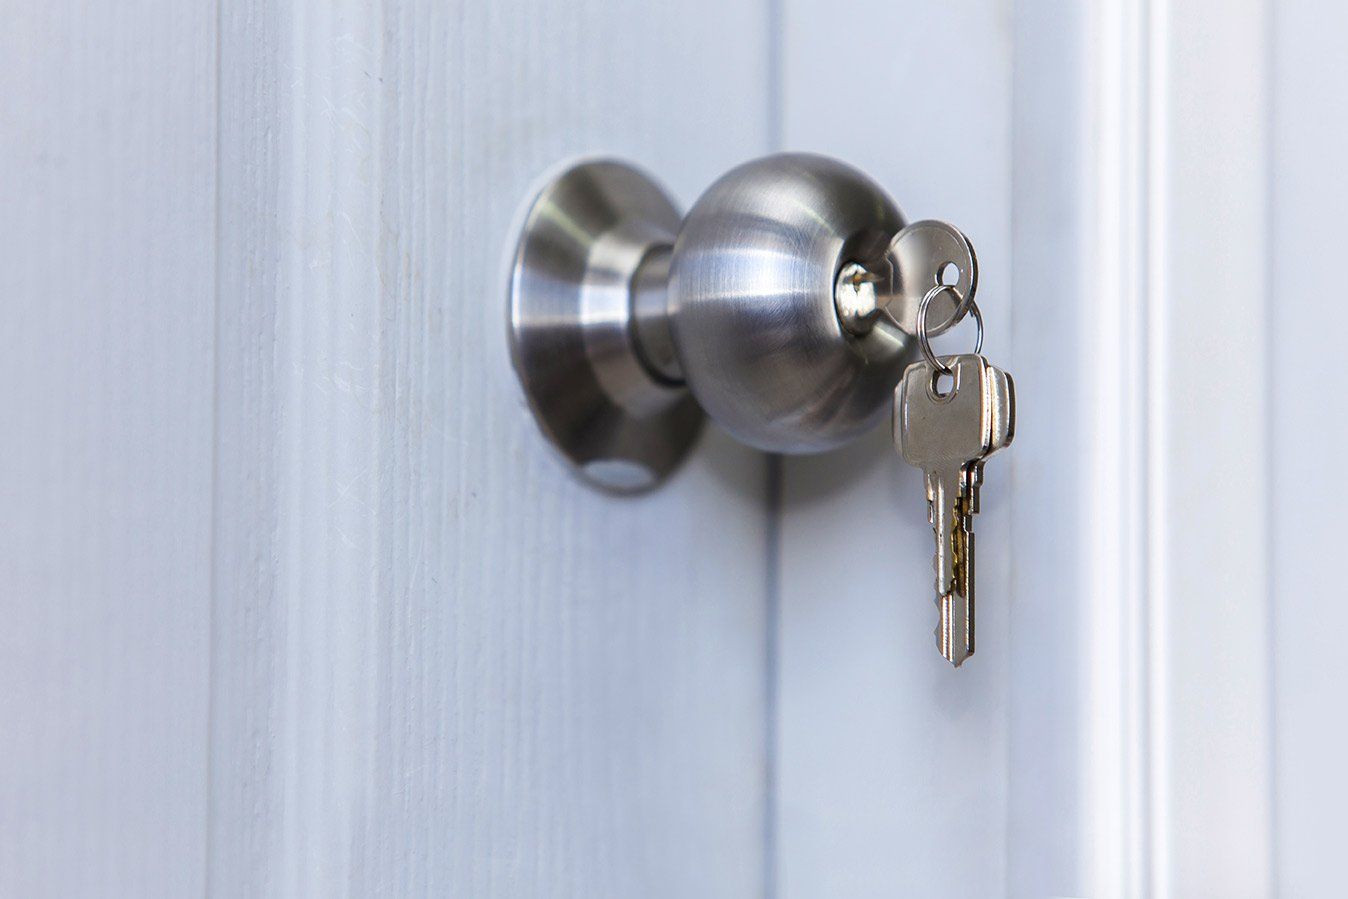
x=592, y=254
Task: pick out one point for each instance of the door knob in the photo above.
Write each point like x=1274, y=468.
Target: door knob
x=783, y=305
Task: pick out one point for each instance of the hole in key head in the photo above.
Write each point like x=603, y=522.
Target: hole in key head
x=948, y=274
x=942, y=384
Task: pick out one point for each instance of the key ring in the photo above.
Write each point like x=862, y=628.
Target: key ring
x=922, y=340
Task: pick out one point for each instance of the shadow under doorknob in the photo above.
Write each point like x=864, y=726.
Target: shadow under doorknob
x=783, y=305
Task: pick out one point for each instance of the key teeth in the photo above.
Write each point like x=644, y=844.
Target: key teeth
x=937, y=632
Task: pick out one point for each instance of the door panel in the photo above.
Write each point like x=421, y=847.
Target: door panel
x=447, y=667
x=1308, y=429
x=107, y=187
x=313, y=610
x=893, y=768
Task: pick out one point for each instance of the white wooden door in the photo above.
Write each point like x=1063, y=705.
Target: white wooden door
x=296, y=601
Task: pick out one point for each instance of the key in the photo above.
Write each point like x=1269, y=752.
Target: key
x=949, y=435
x=921, y=255
x=1003, y=429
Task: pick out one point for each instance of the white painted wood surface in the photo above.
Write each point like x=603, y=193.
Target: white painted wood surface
x=107, y=254
x=1121, y=742
x=448, y=668
x=298, y=603
x=1141, y=741
x=1073, y=513
x=1208, y=533
x=1307, y=431
x=892, y=767
x=434, y=663
x=1146, y=187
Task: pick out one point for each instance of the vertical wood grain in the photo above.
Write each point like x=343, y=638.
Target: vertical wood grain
x=107, y=255
x=442, y=666
x=893, y=767
x=248, y=637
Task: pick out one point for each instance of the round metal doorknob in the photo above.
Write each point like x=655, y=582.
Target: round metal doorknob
x=783, y=305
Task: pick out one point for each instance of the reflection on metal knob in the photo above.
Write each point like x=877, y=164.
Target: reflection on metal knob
x=781, y=305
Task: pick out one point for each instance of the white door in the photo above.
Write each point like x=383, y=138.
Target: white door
x=297, y=601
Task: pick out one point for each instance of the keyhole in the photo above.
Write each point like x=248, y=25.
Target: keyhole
x=941, y=383
x=948, y=274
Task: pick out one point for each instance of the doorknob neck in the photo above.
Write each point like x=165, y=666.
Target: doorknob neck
x=652, y=335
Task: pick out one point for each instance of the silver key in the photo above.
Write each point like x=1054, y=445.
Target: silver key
x=1002, y=400
x=949, y=435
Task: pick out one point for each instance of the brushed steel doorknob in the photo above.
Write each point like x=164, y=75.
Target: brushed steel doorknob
x=783, y=305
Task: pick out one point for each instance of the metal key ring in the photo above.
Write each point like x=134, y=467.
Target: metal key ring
x=922, y=340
